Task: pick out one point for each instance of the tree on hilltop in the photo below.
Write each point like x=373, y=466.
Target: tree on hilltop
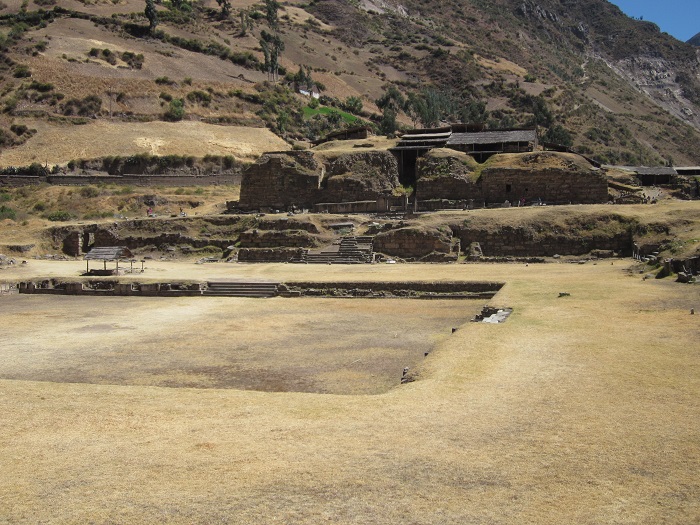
x=151, y=14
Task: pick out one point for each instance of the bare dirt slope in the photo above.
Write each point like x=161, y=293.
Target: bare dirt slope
x=580, y=409
x=58, y=144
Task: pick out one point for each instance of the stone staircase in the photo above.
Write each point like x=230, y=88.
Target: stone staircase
x=351, y=250
x=240, y=289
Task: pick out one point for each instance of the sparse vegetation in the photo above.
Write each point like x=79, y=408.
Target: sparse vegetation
x=176, y=110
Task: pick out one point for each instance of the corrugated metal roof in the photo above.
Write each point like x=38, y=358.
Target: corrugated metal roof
x=108, y=253
x=661, y=170
x=493, y=137
x=424, y=136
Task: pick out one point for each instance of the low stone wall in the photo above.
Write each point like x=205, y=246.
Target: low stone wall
x=111, y=287
x=522, y=242
x=404, y=289
x=411, y=242
x=380, y=205
x=276, y=239
x=132, y=180
x=414, y=289
x=255, y=255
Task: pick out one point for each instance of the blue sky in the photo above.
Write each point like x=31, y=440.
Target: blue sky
x=680, y=18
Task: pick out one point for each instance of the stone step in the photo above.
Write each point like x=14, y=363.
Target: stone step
x=240, y=289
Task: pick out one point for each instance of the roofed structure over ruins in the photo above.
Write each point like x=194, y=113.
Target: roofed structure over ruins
x=481, y=145
x=478, y=143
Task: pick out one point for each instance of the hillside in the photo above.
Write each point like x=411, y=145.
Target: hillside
x=586, y=74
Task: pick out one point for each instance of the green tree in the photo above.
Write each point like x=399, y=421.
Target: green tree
x=388, y=123
x=282, y=122
x=415, y=107
x=353, y=105
x=271, y=14
x=272, y=47
x=474, y=112
x=558, y=135
x=246, y=21
x=392, y=98
x=151, y=14
x=430, y=107
x=176, y=110
x=225, y=6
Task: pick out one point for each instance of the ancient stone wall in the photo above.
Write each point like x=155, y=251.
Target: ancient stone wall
x=556, y=178
x=523, y=242
x=412, y=242
x=382, y=204
x=273, y=239
x=269, y=254
x=300, y=179
x=281, y=180
x=444, y=174
x=361, y=177
x=73, y=244
x=551, y=185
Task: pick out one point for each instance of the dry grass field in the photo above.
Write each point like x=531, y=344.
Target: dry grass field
x=580, y=409
x=303, y=345
x=60, y=143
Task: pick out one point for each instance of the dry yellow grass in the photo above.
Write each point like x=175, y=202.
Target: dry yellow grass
x=58, y=144
x=580, y=409
x=501, y=65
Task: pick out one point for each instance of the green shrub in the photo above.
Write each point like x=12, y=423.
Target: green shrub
x=132, y=59
x=87, y=107
x=201, y=97
x=43, y=87
x=164, y=81
x=7, y=213
x=40, y=206
x=59, y=216
x=176, y=110
x=5, y=197
x=18, y=129
x=109, y=57
x=22, y=71
x=89, y=192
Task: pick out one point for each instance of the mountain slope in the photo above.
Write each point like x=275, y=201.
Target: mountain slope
x=617, y=88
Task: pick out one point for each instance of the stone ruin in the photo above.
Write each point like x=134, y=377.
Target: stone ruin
x=368, y=181
x=302, y=179
x=456, y=180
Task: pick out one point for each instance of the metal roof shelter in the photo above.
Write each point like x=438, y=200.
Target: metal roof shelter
x=655, y=175
x=483, y=144
x=688, y=170
x=107, y=253
x=461, y=137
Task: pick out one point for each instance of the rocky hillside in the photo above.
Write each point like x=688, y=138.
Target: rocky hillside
x=586, y=74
